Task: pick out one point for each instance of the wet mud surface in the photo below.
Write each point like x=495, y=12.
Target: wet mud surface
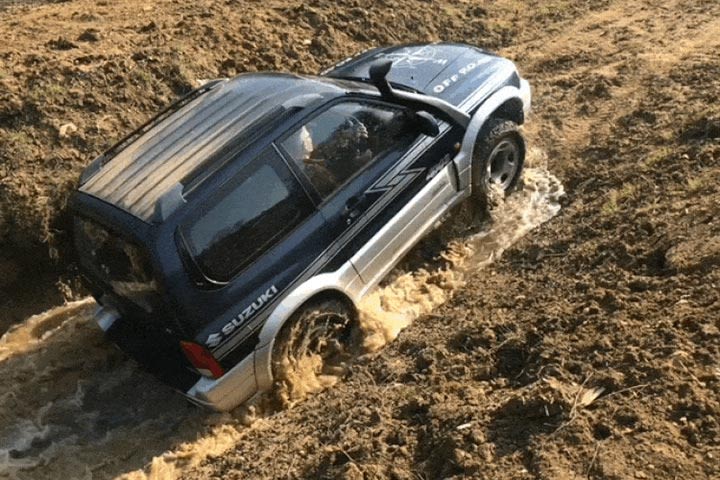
x=588, y=349
x=72, y=406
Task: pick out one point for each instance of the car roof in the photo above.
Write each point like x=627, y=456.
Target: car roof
x=137, y=177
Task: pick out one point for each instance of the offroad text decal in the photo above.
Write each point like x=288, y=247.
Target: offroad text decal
x=216, y=338
x=440, y=87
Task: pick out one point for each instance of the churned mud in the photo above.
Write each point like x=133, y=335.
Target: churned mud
x=407, y=295
x=72, y=406
x=588, y=350
x=70, y=401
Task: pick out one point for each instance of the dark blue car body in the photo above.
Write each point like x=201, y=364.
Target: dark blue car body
x=141, y=205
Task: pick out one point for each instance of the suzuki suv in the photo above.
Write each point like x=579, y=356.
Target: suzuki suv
x=213, y=230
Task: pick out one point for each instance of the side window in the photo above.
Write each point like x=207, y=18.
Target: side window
x=250, y=215
x=343, y=139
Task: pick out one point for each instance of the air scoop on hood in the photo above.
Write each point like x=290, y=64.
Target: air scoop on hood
x=445, y=70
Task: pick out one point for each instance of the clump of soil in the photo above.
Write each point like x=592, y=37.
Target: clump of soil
x=589, y=350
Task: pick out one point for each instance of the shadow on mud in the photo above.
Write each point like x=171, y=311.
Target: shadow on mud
x=74, y=406
x=517, y=422
x=26, y=287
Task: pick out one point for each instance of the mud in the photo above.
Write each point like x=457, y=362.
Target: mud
x=409, y=294
x=72, y=406
x=588, y=349
x=68, y=396
x=72, y=403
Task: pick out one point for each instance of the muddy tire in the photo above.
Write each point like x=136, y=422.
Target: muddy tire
x=498, y=158
x=314, y=347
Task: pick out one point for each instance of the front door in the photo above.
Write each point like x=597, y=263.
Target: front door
x=344, y=151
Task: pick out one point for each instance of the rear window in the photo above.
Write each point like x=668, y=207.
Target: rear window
x=250, y=215
x=117, y=263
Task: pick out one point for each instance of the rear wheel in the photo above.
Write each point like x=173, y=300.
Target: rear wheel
x=498, y=158
x=312, y=350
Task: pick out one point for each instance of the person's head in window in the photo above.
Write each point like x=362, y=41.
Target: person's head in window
x=350, y=138
x=300, y=145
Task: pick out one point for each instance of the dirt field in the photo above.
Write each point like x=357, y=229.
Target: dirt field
x=589, y=349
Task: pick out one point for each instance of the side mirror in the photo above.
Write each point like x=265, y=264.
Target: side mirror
x=426, y=124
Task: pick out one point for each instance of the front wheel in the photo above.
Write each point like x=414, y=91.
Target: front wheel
x=498, y=157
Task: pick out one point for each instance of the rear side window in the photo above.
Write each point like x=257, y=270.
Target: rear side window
x=249, y=216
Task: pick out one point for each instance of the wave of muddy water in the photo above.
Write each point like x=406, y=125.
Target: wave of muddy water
x=72, y=406
x=409, y=294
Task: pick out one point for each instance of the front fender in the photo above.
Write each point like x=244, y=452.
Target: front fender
x=463, y=160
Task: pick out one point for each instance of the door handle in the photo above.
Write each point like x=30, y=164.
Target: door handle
x=352, y=208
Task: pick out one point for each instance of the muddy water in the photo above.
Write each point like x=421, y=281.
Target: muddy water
x=72, y=406
x=410, y=294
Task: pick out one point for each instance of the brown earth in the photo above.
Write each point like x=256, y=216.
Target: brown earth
x=618, y=292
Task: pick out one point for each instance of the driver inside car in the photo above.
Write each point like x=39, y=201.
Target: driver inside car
x=330, y=158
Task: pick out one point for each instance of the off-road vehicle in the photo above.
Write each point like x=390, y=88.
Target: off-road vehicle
x=212, y=230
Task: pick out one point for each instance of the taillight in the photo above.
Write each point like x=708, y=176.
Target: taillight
x=202, y=359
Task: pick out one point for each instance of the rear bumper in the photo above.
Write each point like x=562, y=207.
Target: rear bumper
x=150, y=346
x=222, y=394
x=229, y=391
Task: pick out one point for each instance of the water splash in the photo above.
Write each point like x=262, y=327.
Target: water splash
x=72, y=406
x=409, y=295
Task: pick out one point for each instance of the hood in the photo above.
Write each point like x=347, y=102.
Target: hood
x=445, y=70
